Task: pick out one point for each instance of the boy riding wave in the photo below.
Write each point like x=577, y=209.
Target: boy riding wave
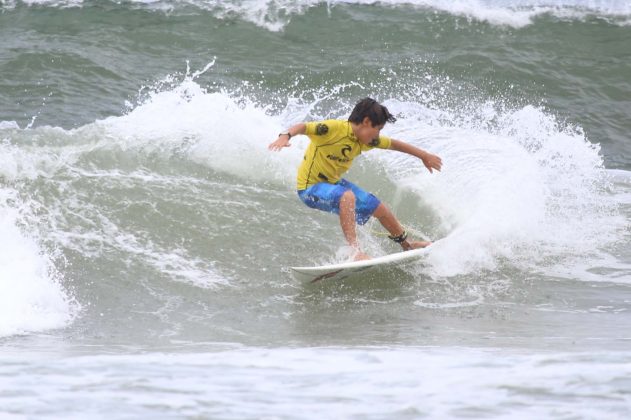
x=334, y=144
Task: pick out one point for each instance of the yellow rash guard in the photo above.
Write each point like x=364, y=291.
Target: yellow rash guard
x=331, y=152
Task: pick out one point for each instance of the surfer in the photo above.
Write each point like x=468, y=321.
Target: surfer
x=334, y=144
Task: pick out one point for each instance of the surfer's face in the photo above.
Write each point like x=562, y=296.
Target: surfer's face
x=366, y=133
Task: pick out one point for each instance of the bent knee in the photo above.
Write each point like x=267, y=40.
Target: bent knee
x=348, y=196
x=381, y=211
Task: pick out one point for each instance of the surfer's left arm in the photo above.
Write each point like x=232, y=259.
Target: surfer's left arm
x=284, y=137
x=430, y=161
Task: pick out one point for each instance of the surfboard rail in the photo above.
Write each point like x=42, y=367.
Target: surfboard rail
x=339, y=271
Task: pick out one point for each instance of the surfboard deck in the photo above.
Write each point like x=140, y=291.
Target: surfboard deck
x=341, y=271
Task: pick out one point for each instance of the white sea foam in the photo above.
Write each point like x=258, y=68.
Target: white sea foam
x=75, y=222
x=31, y=296
x=515, y=185
x=276, y=14
x=322, y=382
x=228, y=134
x=518, y=13
x=22, y=161
x=5, y=125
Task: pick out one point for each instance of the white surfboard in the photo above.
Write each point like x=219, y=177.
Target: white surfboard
x=344, y=270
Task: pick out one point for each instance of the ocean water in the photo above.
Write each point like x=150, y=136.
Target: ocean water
x=146, y=231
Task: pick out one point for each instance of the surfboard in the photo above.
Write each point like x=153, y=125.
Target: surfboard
x=345, y=270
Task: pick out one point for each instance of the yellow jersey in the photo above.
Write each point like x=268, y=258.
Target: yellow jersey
x=331, y=152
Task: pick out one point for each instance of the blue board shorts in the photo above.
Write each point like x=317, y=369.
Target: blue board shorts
x=326, y=197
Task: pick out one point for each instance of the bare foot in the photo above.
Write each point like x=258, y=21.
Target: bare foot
x=360, y=256
x=408, y=245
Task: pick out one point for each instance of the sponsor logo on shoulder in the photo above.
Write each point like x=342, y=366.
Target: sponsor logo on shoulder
x=322, y=129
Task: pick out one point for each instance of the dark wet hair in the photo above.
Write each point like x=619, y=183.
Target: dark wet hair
x=376, y=113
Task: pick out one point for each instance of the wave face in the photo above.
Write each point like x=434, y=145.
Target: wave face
x=146, y=229
x=149, y=172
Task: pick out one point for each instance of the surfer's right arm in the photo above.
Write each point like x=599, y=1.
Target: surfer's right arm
x=285, y=136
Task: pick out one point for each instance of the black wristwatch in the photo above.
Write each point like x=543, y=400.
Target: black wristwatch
x=286, y=133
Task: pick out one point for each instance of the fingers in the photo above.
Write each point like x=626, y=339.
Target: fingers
x=436, y=163
x=433, y=162
x=278, y=145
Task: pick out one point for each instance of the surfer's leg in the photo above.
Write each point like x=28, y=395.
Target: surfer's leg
x=339, y=199
x=347, y=220
x=389, y=221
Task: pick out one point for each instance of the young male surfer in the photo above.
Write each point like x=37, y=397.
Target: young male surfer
x=334, y=145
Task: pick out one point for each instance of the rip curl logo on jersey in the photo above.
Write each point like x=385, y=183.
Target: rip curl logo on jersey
x=375, y=142
x=345, y=150
x=321, y=129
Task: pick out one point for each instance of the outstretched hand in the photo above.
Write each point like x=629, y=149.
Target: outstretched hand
x=281, y=141
x=432, y=162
